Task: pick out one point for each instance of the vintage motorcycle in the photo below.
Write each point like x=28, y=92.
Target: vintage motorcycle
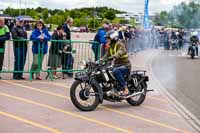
x=93, y=86
x=193, y=48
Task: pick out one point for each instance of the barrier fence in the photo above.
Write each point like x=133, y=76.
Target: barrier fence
x=63, y=55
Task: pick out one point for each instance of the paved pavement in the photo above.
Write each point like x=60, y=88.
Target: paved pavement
x=179, y=74
x=44, y=106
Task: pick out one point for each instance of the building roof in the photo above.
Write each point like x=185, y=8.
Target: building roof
x=27, y=18
x=6, y=16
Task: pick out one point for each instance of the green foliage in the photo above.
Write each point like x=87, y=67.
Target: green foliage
x=75, y=14
x=56, y=19
x=11, y=11
x=45, y=14
x=132, y=22
x=124, y=21
x=183, y=16
x=110, y=15
x=161, y=19
x=82, y=17
x=93, y=23
x=80, y=22
x=32, y=13
x=39, y=9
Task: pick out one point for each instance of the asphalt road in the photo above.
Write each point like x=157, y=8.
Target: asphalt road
x=180, y=75
x=44, y=106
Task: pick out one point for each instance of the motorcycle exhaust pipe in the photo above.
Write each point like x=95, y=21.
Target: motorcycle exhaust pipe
x=129, y=96
x=134, y=94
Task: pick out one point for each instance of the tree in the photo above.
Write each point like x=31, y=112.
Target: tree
x=45, y=14
x=93, y=23
x=80, y=22
x=132, y=22
x=39, y=9
x=75, y=14
x=32, y=13
x=12, y=12
x=124, y=21
x=183, y=15
x=110, y=15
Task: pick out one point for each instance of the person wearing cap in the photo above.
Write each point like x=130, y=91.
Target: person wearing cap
x=19, y=36
x=4, y=35
x=100, y=38
x=40, y=37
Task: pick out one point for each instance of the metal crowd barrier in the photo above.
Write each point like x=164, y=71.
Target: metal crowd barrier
x=80, y=50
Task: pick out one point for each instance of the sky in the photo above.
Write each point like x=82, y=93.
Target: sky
x=133, y=6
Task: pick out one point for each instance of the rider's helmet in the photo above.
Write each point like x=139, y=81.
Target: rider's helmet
x=113, y=35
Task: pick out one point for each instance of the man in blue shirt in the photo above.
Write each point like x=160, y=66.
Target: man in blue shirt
x=100, y=38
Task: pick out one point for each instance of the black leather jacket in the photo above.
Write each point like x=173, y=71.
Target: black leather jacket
x=20, y=34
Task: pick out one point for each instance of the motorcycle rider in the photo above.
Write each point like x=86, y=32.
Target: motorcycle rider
x=194, y=39
x=116, y=51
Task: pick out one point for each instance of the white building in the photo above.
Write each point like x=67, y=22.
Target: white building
x=137, y=16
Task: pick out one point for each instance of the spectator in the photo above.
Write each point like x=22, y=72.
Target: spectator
x=68, y=24
x=100, y=38
x=128, y=33
x=55, y=51
x=67, y=58
x=40, y=36
x=86, y=29
x=122, y=32
x=166, y=39
x=20, y=48
x=180, y=38
x=4, y=35
x=10, y=24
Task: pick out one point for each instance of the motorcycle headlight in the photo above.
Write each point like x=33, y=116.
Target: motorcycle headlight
x=83, y=64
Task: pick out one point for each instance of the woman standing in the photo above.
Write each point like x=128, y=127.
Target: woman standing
x=55, y=51
x=40, y=37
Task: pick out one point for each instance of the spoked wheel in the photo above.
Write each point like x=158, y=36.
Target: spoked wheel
x=139, y=99
x=84, y=96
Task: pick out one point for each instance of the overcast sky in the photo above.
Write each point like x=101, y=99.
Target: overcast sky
x=134, y=6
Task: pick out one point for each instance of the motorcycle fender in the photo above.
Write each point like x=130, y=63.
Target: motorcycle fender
x=99, y=89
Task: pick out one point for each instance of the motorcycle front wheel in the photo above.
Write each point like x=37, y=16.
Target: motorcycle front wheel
x=84, y=96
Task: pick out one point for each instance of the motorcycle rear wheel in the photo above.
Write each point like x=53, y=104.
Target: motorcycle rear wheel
x=138, y=101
